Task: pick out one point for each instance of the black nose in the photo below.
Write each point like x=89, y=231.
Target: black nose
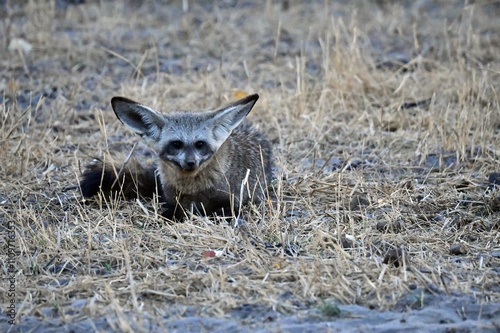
x=190, y=165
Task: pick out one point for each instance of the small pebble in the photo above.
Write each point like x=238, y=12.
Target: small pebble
x=390, y=227
x=494, y=178
x=458, y=249
x=346, y=243
x=394, y=257
x=358, y=202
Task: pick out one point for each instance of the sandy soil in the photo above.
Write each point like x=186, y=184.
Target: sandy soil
x=441, y=314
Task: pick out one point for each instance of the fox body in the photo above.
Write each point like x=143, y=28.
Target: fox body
x=203, y=159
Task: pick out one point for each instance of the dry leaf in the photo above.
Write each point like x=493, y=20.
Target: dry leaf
x=239, y=94
x=208, y=254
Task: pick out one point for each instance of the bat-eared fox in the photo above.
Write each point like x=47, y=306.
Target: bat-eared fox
x=209, y=163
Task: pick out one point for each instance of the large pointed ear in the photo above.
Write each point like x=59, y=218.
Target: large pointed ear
x=226, y=119
x=139, y=118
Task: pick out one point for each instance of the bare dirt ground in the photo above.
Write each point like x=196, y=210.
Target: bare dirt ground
x=384, y=119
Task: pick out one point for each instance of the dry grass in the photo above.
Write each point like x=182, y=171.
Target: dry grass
x=336, y=84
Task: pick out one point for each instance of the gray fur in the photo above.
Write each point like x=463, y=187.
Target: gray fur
x=209, y=175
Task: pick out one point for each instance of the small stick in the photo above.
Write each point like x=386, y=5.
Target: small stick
x=122, y=169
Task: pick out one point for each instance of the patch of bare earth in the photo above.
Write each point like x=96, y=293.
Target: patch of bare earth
x=384, y=119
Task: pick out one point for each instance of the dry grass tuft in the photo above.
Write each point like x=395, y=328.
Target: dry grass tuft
x=384, y=121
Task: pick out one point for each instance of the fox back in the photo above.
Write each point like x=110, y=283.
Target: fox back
x=210, y=162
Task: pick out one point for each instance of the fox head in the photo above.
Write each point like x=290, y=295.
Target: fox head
x=185, y=140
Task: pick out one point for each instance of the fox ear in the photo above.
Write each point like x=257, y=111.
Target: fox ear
x=226, y=119
x=139, y=118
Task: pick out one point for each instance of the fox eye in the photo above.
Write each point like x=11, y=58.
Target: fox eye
x=176, y=144
x=199, y=144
